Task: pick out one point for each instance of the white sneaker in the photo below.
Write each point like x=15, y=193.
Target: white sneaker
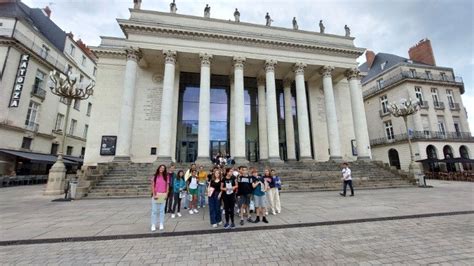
x=278, y=212
x=162, y=227
x=273, y=212
x=179, y=214
x=196, y=211
x=153, y=228
x=191, y=212
x=219, y=223
x=266, y=212
x=214, y=225
x=199, y=207
x=173, y=216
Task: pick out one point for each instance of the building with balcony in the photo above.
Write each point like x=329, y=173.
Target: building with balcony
x=438, y=130
x=31, y=117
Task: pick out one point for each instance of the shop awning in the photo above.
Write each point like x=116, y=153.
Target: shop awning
x=36, y=157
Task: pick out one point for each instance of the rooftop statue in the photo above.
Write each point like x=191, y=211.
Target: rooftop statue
x=173, y=8
x=348, y=31
x=321, y=26
x=137, y=4
x=237, y=15
x=268, y=19
x=295, y=24
x=207, y=11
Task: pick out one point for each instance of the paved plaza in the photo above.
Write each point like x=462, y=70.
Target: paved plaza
x=443, y=234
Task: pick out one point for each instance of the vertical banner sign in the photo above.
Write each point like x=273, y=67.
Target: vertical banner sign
x=19, y=81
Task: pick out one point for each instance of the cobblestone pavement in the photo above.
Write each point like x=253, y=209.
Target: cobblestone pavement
x=26, y=214
x=446, y=240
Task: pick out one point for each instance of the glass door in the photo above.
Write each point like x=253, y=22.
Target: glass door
x=252, y=151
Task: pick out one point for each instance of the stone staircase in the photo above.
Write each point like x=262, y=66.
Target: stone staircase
x=131, y=179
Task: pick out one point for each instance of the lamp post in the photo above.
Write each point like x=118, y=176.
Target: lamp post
x=67, y=88
x=403, y=110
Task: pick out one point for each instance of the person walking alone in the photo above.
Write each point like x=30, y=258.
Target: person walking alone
x=347, y=179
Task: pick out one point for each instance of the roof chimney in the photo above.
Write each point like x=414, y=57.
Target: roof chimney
x=47, y=11
x=422, y=52
x=369, y=58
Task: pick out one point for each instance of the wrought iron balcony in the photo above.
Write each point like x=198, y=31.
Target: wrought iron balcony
x=424, y=105
x=407, y=75
x=438, y=105
x=38, y=92
x=425, y=135
x=454, y=106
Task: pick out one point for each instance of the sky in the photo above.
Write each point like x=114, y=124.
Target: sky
x=389, y=26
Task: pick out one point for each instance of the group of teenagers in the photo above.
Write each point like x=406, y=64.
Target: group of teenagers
x=225, y=189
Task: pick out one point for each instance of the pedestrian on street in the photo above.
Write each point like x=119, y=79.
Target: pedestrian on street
x=214, y=194
x=228, y=187
x=179, y=187
x=244, y=193
x=347, y=179
x=170, y=198
x=159, y=188
x=202, y=185
x=260, y=186
x=192, y=185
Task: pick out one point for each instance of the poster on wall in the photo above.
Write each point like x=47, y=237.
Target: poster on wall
x=108, y=144
x=354, y=147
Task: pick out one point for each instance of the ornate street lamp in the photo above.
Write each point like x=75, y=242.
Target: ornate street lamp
x=403, y=110
x=68, y=88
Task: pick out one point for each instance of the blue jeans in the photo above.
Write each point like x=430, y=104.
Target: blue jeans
x=201, y=195
x=215, y=209
x=155, y=208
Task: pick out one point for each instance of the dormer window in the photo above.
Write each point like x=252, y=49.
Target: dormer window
x=382, y=66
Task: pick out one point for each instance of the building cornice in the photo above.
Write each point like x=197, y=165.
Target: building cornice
x=240, y=38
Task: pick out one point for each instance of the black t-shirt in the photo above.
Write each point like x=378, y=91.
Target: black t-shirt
x=270, y=181
x=216, y=186
x=226, y=181
x=245, y=185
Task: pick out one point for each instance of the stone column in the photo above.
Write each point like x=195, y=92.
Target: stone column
x=124, y=136
x=331, y=116
x=204, y=109
x=272, y=114
x=262, y=120
x=164, y=149
x=239, y=115
x=231, y=116
x=289, y=125
x=358, y=114
x=302, y=109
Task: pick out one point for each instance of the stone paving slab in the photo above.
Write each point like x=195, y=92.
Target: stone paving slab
x=446, y=240
x=26, y=214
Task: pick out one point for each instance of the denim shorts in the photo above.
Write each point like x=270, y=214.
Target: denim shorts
x=245, y=199
x=260, y=201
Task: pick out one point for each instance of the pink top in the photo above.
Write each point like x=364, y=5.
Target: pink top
x=160, y=185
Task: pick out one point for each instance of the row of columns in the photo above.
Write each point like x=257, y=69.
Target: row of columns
x=267, y=111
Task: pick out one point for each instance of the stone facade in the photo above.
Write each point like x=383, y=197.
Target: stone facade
x=18, y=38
x=441, y=120
x=140, y=80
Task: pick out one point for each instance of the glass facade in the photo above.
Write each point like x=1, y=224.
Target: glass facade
x=188, y=117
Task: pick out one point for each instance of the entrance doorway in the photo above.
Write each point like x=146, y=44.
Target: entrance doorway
x=219, y=146
x=187, y=151
x=252, y=151
x=393, y=158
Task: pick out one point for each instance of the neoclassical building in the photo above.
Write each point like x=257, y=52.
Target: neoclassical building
x=182, y=88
